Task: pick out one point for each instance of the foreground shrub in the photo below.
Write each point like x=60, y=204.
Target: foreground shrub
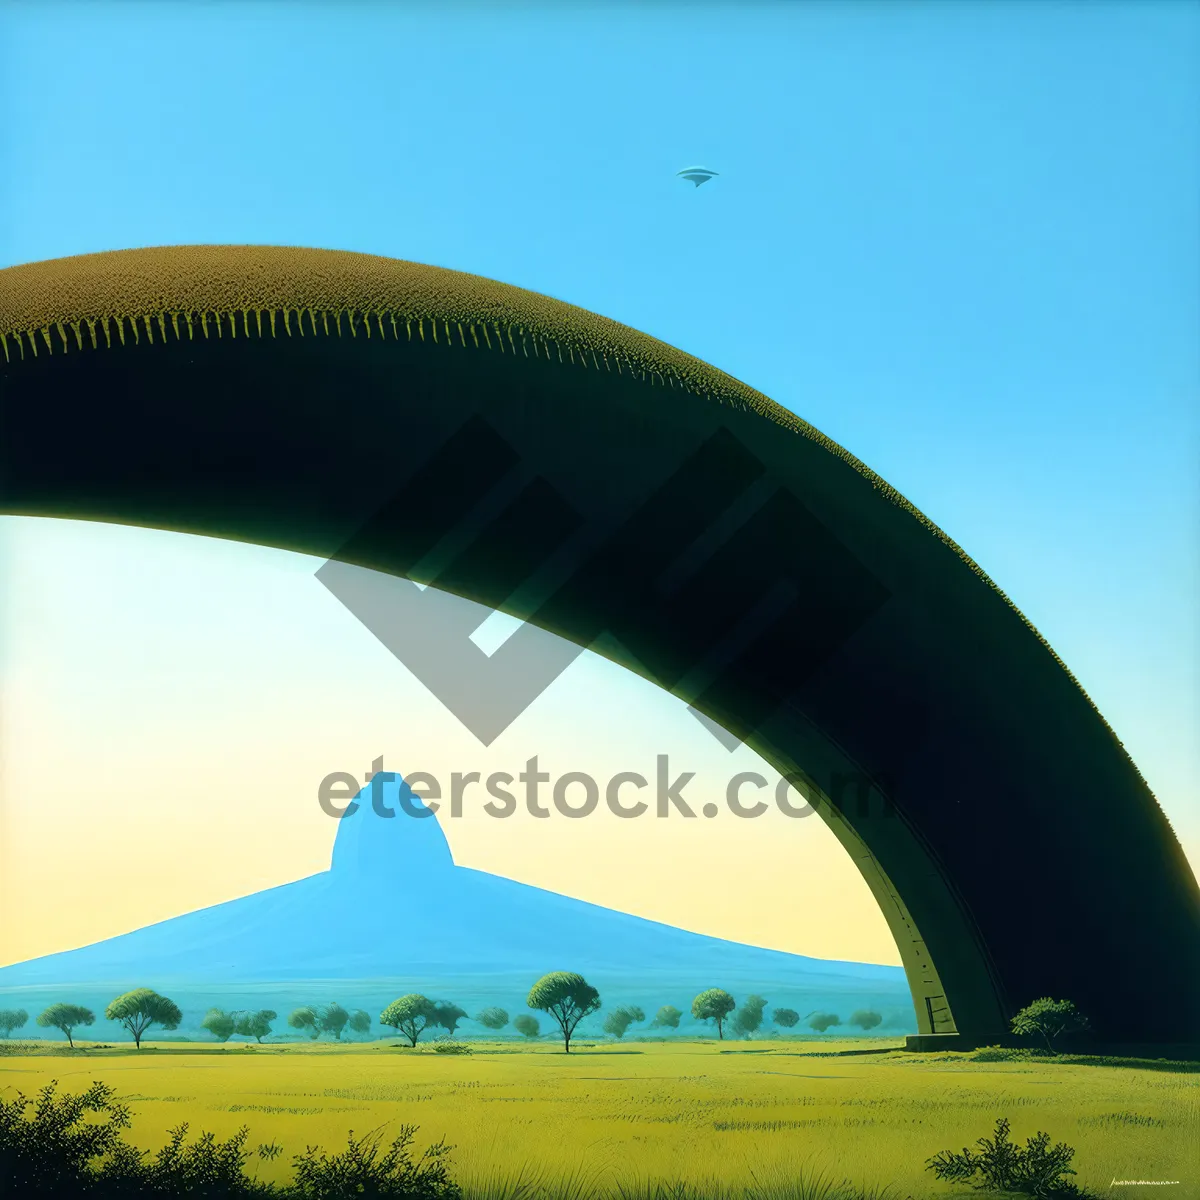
x=361, y=1170
x=1037, y=1169
x=206, y=1168
x=57, y=1151
x=60, y=1149
x=51, y=1151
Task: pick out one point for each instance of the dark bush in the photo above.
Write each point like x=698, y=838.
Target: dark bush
x=51, y=1151
x=361, y=1170
x=206, y=1168
x=55, y=1150
x=1037, y=1169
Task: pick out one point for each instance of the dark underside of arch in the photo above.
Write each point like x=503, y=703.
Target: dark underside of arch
x=545, y=461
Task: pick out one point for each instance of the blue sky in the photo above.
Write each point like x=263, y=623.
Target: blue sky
x=959, y=238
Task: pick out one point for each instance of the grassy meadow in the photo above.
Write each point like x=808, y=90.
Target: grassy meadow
x=527, y=1118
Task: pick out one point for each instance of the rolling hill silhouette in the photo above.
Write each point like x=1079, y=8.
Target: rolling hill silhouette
x=393, y=904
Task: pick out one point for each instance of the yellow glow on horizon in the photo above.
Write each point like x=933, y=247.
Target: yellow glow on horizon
x=171, y=703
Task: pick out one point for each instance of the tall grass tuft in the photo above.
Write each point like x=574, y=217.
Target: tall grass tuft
x=779, y=1184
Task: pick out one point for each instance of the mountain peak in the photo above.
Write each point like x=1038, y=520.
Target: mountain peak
x=390, y=837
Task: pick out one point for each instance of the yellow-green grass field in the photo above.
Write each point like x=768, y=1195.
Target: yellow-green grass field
x=629, y=1113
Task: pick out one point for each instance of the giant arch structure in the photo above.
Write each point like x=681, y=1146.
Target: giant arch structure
x=567, y=469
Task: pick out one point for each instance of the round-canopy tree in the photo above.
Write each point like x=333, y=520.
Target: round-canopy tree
x=492, y=1018
x=526, y=1025
x=865, y=1018
x=617, y=1022
x=220, y=1024
x=667, y=1017
x=306, y=1019
x=447, y=1016
x=12, y=1018
x=66, y=1017
x=714, y=1005
x=333, y=1019
x=256, y=1024
x=411, y=1015
x=140, y=1010
x=749, y=1018
x=821, y=1021
x=567, y=997
x=1048, y=1019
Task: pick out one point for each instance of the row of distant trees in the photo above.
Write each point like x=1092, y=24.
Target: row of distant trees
x=564, y=996
x=567, y=998
x=256, y=1024
x=721, y=1008
x=139, y=1011
x=135, y=1011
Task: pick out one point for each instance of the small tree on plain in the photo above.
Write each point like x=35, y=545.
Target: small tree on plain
x=749, y=1018
x=864, y=1018
x=12, y=1018
x=492, y=1018
x=142, y=1009
x=620, y=1019
x=785, y=1017
x=306, y=1020
x=1049, y=1019
x=715, y=1005
x=821, y=1021
x=567, y=997
x=333, y=1019
x=360, y=1022
x=66, y=1017
x=411, y=1015
x=526, y=1025
x=220, y=1024
x=256, y=1024
x=667, y=1017
x=447, y=1016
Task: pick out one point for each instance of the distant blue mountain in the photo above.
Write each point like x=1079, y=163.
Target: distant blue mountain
x=393, y=905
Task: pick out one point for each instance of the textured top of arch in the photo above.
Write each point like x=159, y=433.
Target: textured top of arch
x=55, y=303
x=65, y=304
x=178, y=292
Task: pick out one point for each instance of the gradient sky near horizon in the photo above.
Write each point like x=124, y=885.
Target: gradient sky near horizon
x=960, y=239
